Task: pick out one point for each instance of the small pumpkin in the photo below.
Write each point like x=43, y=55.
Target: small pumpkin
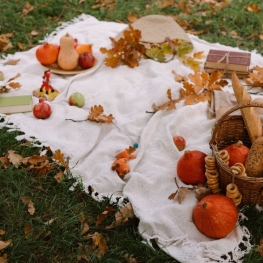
x=191, y=167
x=237, y=152
x=215, y=216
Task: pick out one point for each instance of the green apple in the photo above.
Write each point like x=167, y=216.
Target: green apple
x=76, y=99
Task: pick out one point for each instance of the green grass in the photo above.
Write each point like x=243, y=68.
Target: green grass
x=61, y=241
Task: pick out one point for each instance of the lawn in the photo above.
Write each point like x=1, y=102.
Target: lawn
x=69, y=225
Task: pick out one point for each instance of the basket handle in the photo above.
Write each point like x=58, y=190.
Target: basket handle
x=237, y=107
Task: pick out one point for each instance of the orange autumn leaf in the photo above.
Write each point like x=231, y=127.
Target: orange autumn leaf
x=132, y=17
x=59, y=157
x=255, y=77
x=199, y=89
x=96, y=114
x=199, y=55
x=252, y=8
x=127, y=50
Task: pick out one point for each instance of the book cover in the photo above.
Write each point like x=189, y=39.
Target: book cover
x=231, y=60
x=15, y=104
x=227, y=74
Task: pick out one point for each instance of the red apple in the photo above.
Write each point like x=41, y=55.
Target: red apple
x=42, y=110
x=179, y=142
x=86, y=60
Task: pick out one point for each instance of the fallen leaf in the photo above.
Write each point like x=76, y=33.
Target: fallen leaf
x=85, y=228
x=11, y=62
x=59, y=157
x=31, y=208
x=2, y=232
x=132, y=17
x=59, y=177
x=26, y=9
x=15, y=159
x=130, y=258
x=122, y=216
x=99, y=243
x=108, y=212
x=96, y=115
x=252, y=8
x=255, y=77
x=4, y=244
x=166, y=3
x=259, y=248
x=3, y=259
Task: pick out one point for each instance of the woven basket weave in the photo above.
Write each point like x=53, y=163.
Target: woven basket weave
x=228, y=130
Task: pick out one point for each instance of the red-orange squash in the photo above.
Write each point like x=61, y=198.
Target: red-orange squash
x=237, y=152
x=215, y=216
x=191, y=167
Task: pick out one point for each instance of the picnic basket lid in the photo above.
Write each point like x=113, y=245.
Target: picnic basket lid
x=155, y=28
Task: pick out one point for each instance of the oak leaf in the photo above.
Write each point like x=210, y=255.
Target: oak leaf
x=122, y=216
x=127, y=50
x=59, y=157
x=255, y=77
x=96, y=114
x=12, y=62
x=108, y=212
x=16, y=159
x=59, y=177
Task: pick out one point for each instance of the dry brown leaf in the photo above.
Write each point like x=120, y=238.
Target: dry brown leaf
x=166, y=3
x=27, y=230
x=33, y=33
x=130, y=258
x=30, y=205
x=100, y=243
x=201, y=192
x=252, y=8
x=108, y=212
x=182, y=193
x=179, y=78
x=59, y=177
x=259, y=248
x=41, y=169
x=59, y=157
x=2, y=232
x=3, y=259
x=255, y=77
x=35, y=159
x=11, y=62
x=85, y=228
x=15, y=159
x=132, y=17
x=199, y=55
x=96, y=115
x=122, y=216
x=26, y=9
x=4, y=161
x=4, y=244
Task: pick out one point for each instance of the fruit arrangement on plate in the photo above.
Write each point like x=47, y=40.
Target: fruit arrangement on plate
x=69, y=56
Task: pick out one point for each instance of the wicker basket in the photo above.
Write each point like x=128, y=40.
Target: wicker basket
x=227, y=130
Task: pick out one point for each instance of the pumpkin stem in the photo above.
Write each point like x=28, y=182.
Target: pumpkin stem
x=239, y=143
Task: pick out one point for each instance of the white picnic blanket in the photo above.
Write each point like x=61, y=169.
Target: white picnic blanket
x=127, y=93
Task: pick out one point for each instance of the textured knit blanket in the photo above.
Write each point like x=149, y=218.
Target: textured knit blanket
x=127, y=94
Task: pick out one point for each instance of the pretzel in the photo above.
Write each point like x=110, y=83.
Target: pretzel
x=233, y=193
x=211, y=174
x=223, y=154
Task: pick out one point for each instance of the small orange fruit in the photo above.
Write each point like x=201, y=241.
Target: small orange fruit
x=81, y=48
x=47, y=54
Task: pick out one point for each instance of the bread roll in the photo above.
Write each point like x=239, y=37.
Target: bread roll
x=250, y=114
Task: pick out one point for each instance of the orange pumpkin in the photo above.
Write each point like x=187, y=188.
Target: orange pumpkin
x=191, y=167
x=215, y=216
x=237, y=152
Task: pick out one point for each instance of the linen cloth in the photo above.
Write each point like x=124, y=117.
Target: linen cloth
x=127, y=93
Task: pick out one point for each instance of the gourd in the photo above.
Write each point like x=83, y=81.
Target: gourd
x=254, y=161
x=237, y=152
x=68, y=56
x=191, y=167
x=215, y=215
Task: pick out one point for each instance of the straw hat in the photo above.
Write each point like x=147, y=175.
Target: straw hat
x=155, y=28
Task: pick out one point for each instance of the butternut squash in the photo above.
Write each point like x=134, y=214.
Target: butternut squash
x=254, y=161
x=68, y=56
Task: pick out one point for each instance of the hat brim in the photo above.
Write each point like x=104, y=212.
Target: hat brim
x=155, y=28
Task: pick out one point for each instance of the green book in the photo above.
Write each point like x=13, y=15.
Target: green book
x=15, y=104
